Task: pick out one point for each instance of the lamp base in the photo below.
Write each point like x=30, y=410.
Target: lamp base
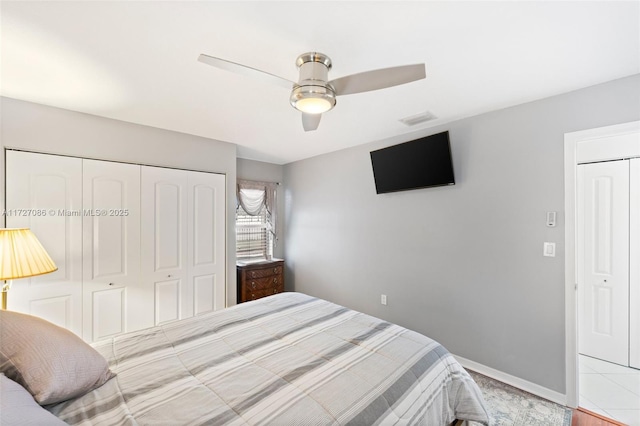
x=5, y=288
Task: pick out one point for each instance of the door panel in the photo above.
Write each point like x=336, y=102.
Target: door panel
x=603, y=295
x=111, y=246
x=204, y=205
x=164, y=243
x=109, y=242
x=168, y=225
x=206, y=270
x=108, y=316
x=51, y=185
x=634, y=266
x=204, y=292
x=55, y=309
x=167, y=300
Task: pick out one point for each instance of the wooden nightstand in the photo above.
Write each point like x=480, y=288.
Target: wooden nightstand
x=259, y=279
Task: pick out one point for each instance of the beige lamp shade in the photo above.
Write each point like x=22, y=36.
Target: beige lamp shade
x=22, y=255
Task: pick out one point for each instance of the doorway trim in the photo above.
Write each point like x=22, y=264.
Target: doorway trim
x=571, y=143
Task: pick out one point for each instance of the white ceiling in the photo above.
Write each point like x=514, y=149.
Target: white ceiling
x=137, y=62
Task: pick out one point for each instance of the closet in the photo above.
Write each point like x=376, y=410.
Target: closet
x=608, y=232
x=136, y=246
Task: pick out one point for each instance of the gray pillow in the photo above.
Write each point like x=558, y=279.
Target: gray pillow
x=19, y=408
x=50, y=362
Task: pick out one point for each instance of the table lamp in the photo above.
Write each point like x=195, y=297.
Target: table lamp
x=21, y=256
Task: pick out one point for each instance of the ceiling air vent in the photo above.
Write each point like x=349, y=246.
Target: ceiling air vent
x=418, y=118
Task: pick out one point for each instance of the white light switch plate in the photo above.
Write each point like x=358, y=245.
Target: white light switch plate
x=549, y=250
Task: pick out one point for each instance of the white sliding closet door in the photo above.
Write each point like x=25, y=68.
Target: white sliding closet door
x=136, y=246
x=111, y=237
x=634, y=265
x=183, y=243
x=207, y=240
x=52, y=185
x=603, y=265
x=164, y=244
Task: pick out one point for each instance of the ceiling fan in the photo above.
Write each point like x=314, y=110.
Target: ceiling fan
x=314, y=94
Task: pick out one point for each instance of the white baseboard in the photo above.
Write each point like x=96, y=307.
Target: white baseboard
x=514, y=381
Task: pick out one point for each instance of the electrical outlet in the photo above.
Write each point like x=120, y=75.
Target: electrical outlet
x=383, y=299
x=549, y=250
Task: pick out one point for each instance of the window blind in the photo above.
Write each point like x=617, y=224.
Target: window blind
x=253, y=240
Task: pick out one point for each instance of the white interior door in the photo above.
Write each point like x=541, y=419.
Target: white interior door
x=111, y=246
x=44, y=193
x=164, y=244
x=634, y=263
x=603, y=260
x=206, y=242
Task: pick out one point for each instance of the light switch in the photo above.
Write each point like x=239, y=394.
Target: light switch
x=551, y=219
x=550, y=249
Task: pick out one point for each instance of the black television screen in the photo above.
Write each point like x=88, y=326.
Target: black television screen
x=420, y=163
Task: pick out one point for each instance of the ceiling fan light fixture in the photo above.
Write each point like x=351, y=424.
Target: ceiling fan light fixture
x=313, y=99
x=314, y=93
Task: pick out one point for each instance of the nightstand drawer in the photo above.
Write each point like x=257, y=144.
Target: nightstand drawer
x=262, y=283
x=257, y=294
x=265, y=272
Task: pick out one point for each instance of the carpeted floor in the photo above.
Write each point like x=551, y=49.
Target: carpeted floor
x=509, y=406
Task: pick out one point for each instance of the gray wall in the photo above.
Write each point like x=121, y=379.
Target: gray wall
x=33, y=127
x=267, y=172
x=462, y=264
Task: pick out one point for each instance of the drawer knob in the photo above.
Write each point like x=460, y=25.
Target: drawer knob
x=275, y=290
x=253, y=274
x=253, y=284
x=275, y=270
x=253, y=296
x=275, y=280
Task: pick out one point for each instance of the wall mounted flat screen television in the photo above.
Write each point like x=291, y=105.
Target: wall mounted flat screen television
x=420, y=163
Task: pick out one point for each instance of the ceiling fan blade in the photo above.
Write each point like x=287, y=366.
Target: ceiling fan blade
x=310, y=121
x=245, y=70
x=378, y=79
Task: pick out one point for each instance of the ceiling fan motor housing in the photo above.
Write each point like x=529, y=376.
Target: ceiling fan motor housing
x=313, y=94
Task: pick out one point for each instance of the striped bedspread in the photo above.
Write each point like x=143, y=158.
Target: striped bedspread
x=288, y=359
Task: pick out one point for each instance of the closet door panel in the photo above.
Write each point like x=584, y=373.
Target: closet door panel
x=207, y=258
x=51, y=186
x=56, y=309
x=164, y=243
x=168, y=217
x=603, y=294
x=167, y=301
x=203, y=218
x=204, y=292
x=109, y=235
x=108, y=313
x=634, y=266
x=111, y=245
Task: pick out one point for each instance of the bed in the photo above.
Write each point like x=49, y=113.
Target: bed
x=288, y=359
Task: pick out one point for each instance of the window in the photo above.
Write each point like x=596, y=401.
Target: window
x=253, y=240
x=255, y=220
